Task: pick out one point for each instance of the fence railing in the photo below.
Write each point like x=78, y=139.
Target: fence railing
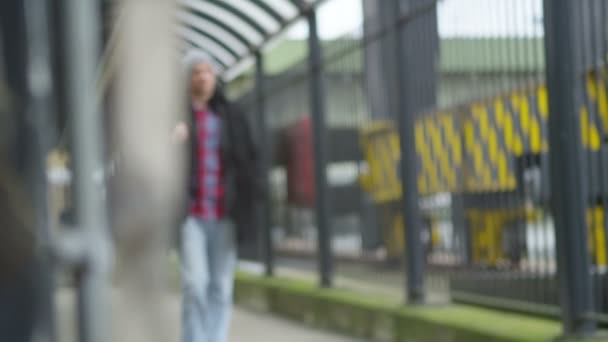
x=482, y=84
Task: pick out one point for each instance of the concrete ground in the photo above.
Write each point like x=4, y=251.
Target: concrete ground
x=247, y=326
x=252, y=327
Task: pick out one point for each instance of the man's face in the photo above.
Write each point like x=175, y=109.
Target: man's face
x=203, y=80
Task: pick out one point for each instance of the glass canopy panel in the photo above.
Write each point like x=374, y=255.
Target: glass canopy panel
x=283, y=7
x=227, y=17
x=248, y=8
x=231, y=30
x=208, y=45
x=211, y=28
x=189, y=46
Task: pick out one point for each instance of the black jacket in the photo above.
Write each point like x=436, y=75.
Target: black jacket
x=243, y=180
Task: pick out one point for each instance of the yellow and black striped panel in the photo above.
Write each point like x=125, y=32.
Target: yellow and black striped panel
x=438, y=140
x=597, y=235
x=486, y=159
x=497, y=131
x=594, y=111
x=473, y=148
x=380, y=144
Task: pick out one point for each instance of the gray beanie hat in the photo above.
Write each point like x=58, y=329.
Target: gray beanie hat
x=195, y=57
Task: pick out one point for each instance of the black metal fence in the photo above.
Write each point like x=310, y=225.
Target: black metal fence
x=590, y=46
x=452, y=104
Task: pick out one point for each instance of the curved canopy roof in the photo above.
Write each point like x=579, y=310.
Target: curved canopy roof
x=230, y=31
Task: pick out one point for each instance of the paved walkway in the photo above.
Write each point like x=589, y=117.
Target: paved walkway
x=247, y=326
x=253, y=327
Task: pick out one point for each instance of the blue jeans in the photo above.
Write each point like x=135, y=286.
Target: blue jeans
x=208, y=264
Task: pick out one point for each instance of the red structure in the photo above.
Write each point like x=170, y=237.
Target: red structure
x=296, y=153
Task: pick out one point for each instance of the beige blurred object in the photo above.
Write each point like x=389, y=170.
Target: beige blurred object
x=147, y=185
x=180, y=133
x=58, y=177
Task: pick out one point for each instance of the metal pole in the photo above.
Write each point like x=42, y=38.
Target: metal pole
x=38, y=116
x=265, y=166
x=26, y=303
x=317, y=98
x=414, y=254
x=564, y=80
x=83, y=43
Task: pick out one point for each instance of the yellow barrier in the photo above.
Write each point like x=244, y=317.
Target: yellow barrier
x=597, y=235
x=473, y=149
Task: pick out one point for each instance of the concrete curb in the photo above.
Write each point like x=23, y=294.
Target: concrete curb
x=381, y=319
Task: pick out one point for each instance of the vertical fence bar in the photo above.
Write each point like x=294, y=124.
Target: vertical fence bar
x=265, y=220
x=82, y=43
x=317, y=98
x=603, y=168
x=564, y=80
x=21, y=306
x=406, y=116
x=38, y=116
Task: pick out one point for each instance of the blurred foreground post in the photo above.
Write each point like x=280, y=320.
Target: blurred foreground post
x=565, y=72
x=147, y=186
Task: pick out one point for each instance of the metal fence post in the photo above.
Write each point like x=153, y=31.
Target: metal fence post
x=317, y=98
x=82, y=42
x=564, y=80
x=39, y=115
x=27, y=302
x=414, y=254
x=265, y=213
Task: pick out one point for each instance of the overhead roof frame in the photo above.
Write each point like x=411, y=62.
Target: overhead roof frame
x=231, y=31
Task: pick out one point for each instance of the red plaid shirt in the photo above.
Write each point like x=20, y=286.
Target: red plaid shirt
x=209, y=202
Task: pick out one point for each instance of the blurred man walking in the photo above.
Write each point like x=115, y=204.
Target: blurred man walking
x=223, y=183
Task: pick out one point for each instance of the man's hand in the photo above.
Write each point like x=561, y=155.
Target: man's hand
x=180, y=133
